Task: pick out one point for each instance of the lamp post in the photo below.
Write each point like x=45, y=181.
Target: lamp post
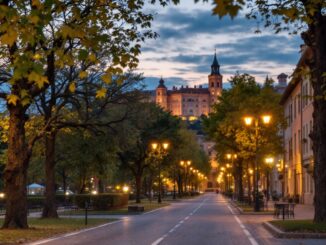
x=232, y=157
x=185, y=164
x=269, y=161
x=255, y=122
x=161, y=150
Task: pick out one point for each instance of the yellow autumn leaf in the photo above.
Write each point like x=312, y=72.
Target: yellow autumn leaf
x=101, y=93
x=26, y=101
x=92, y=57
x=82, y=74
x=23, y=93
x=106, y=78
x=38, y=79
x=9, y=37
x=36, y=3
x=34, y=19
x=72, y=87
x=12, y=99
x=66, y=31
x=37, y=56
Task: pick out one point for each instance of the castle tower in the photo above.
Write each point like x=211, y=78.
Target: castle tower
x=215, y=81
x=161, y=95
x=282, y=80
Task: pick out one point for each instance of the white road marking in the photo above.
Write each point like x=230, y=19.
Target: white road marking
x=176, y=226
x=244, y=229
x=74, y=233
x=159, y=240
x=155, y=210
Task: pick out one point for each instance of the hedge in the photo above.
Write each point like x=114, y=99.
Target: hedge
x=102, y=201
x=97, y=202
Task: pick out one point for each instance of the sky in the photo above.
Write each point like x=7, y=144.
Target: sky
x=189, y=36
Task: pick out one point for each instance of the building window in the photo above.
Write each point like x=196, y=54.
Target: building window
x=290, y=149
x=295, y=107
x=217, y=84
x=310, y=131
x=299, y=140
x=295, y=143
x=299, y=103
x=212, y=84
x=158, y=93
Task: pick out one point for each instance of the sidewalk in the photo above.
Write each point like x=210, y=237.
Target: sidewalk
x=301, y=211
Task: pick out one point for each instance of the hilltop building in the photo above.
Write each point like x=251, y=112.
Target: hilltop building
x=191, y=103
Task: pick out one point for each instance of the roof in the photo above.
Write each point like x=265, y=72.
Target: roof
x=282, y=75
x=215, y=67
x=34, y=186
x=161, y=84
x=189, y=91
x=305, y=56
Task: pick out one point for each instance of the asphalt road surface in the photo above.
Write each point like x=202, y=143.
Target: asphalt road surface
x=206, y=220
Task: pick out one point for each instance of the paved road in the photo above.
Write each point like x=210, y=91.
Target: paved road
x=205, y=220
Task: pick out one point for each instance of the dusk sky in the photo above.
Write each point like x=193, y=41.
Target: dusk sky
x=189, y=34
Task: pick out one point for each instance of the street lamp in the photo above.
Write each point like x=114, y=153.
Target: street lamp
x=249, y=120
x=269, y=161
x=186, y=165
x=161, y=150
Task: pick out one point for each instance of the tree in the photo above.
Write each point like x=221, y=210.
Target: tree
x=226, y=127
x=39, y=37
x=187, y=149
x=90, y=113
x=294, y=16
x=150, y=123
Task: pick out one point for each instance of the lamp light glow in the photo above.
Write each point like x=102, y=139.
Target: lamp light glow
x=248, y=120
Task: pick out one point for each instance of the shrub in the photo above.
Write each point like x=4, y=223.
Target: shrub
x=35, y=201
x=102, y=201
x=63, y=200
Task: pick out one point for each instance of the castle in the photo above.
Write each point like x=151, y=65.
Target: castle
x=191, y=103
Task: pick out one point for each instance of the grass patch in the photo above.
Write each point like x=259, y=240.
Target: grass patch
x=148, y=206
x=300, y=226
x=45, y=228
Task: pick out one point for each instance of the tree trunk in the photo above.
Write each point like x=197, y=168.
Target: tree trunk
x=15, y=175
x=318, y=68
x=64, y=180
x=50, y=206
x=101, y=188
x=138, y=188
x=240, y=184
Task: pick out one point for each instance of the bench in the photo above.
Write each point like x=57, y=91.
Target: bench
x=136, y=208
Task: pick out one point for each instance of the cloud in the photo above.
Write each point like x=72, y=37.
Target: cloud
x=177, y=24
x=188, y=37
x=152, y=82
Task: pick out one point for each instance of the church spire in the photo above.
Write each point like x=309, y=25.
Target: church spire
x=215, y=67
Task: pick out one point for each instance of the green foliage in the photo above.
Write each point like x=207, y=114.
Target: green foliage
x=39, y=37
x=188, y=148
x=102, y=201
x=293, y=15
x=226, y=126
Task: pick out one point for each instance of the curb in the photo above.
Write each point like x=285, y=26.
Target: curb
x=240, y=210
x=276, y=232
